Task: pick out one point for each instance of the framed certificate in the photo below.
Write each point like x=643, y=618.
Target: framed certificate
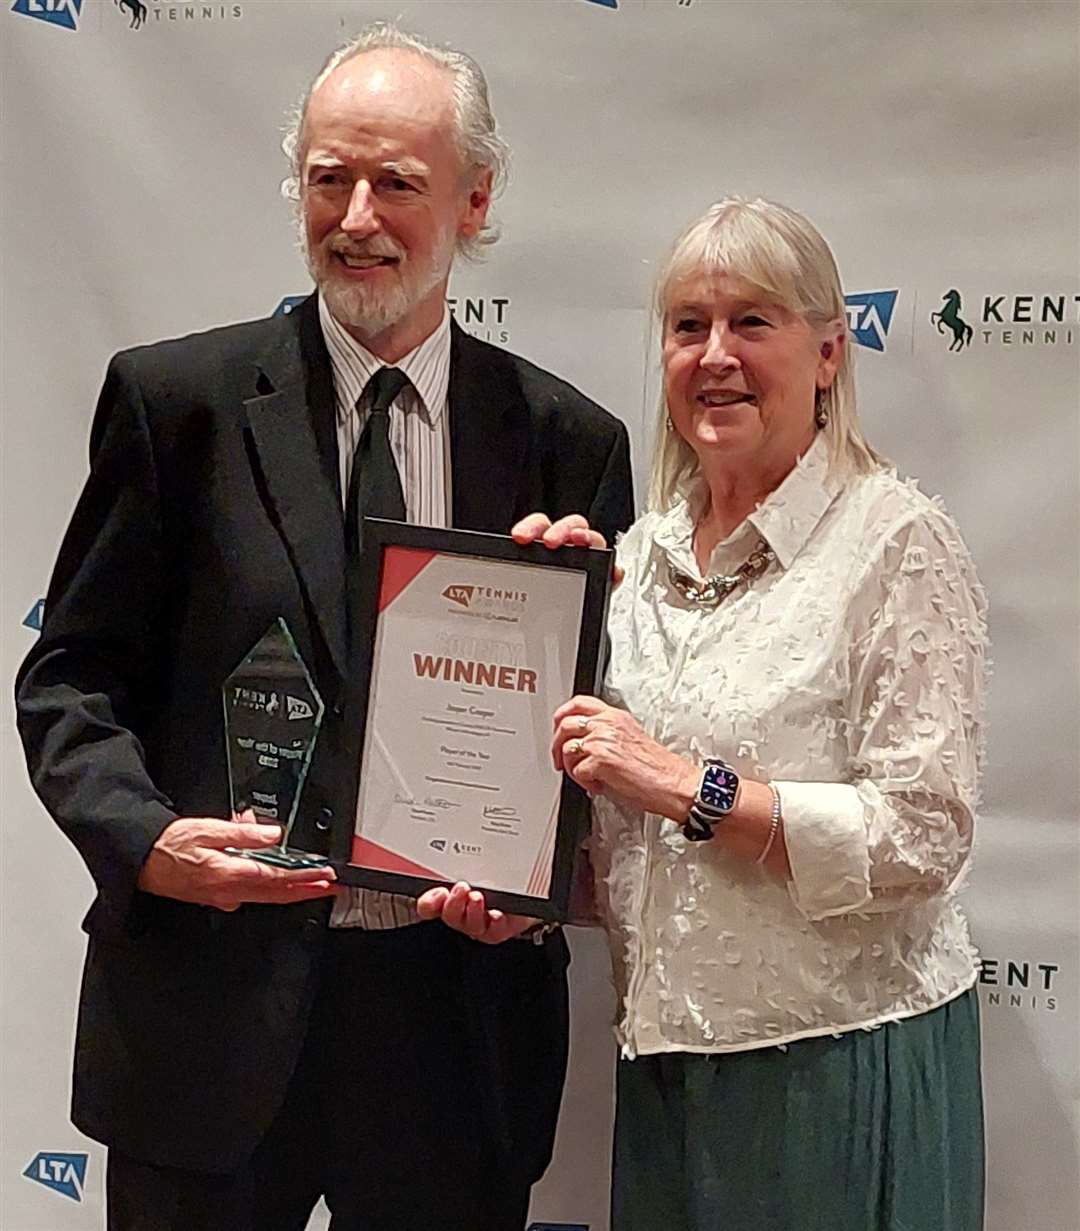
x=469, y=643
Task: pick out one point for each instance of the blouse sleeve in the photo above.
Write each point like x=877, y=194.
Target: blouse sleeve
x=901, y=828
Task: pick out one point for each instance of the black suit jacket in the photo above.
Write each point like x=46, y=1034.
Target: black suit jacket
x=212, y=507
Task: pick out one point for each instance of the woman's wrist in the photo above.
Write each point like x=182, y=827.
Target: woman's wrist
x=683, y=790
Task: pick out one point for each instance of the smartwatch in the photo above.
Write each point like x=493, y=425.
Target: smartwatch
x=714, y=799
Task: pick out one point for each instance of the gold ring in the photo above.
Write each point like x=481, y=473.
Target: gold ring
x=574, y=747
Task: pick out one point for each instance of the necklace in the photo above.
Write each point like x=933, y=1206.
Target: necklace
x=712, y=591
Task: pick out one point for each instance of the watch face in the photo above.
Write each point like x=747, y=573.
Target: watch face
x=718, y=787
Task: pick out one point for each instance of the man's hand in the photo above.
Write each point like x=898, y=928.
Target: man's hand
x=570, y=531
x=188, y=863
x=464, y=910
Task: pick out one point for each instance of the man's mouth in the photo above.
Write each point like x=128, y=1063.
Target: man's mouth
x=353, y=261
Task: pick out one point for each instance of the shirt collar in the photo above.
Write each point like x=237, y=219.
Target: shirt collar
x=785, y=519
x=427, y=366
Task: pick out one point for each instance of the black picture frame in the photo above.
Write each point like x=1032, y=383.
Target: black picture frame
x=573, y=818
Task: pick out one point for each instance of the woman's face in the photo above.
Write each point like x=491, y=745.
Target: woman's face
x=741, y=372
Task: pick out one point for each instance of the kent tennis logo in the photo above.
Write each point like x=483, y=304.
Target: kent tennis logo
x=869, y=315
x=1031, y=318
x=1020, y=983
x=948, y=317
x=63, y=1173
x=256, y=700
x=136, y=9
x=482, y=316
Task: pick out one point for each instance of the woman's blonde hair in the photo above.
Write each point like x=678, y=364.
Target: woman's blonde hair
x=785, y=256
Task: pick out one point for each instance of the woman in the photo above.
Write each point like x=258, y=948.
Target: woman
x=785, y=769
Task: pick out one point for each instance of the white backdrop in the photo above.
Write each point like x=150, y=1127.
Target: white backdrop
x=935, y=144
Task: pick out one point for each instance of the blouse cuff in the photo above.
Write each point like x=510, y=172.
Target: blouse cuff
x=825, y=834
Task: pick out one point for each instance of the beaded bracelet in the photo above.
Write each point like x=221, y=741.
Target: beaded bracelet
x=774, y=824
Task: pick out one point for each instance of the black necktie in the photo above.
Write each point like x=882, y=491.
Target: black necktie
x=375, y=485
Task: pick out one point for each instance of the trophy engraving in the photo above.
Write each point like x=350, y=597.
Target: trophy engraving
x=273, y=712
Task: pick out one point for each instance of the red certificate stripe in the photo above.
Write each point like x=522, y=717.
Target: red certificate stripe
x=400, y=566
x=368, y=854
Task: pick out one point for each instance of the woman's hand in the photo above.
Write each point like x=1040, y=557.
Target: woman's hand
x=464, y=910
x=606, y=751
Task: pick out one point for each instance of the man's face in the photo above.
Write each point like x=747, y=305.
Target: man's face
x=384, y=197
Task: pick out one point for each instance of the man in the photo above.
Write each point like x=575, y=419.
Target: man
x=249, y=1039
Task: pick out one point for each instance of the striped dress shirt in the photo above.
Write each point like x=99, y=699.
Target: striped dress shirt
x=420, y=442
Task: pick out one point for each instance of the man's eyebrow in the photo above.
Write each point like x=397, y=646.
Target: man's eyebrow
x=411, y=167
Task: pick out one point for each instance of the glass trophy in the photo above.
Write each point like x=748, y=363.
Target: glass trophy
x=273, y=712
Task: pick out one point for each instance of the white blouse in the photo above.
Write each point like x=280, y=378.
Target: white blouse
x=850, y=675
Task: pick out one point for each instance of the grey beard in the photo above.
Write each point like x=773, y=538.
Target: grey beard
x=360, y=308
x=357, y=309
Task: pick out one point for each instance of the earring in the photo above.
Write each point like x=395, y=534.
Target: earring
x=668, y=425
x=821, y=414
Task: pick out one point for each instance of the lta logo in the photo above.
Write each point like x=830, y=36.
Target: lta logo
x=63, y=1173
x=63, y=13
x=35, y=617
x=869, y=315
x=948, y=317
x=462, y=595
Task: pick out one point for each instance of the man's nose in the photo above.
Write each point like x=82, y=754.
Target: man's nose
x=361, y=218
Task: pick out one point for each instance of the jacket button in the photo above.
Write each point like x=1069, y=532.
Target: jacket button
x=325, y=819
x=337, y=709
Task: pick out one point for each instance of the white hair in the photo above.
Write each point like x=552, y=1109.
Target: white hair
x=480, y=147
x=783, y=254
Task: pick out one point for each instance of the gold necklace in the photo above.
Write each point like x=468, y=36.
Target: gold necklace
x=711, y=591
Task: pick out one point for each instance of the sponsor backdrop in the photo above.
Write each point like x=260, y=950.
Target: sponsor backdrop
x=936, y=146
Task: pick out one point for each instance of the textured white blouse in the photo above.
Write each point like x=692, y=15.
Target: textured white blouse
x=850, y=675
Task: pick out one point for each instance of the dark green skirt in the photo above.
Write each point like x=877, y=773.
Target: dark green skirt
x=877, y=1130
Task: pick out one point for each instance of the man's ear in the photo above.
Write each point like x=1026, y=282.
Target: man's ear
x=477, y=204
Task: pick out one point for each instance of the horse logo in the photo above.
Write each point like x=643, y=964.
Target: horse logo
x=950, y=317
x=137, y=10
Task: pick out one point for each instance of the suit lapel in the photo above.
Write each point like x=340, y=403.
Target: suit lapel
x=489, y=435
x=292, y=422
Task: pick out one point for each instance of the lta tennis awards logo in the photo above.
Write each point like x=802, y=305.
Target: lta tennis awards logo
x=494, y=603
